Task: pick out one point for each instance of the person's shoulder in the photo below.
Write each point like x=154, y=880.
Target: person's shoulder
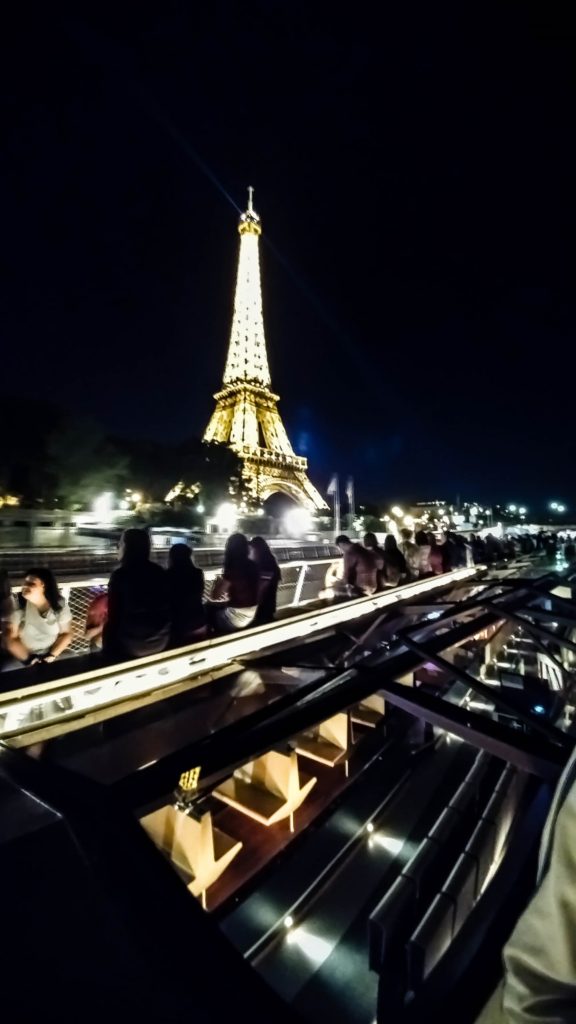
x=153, y=569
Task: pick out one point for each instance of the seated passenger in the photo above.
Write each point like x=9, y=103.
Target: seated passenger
x=96, y=616
x=360, y=575
x=138, y=621
x=234, y=599
x=270, y=576
x=186, y=589
x=41, y=625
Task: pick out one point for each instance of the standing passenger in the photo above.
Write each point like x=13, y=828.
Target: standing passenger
x=395, y=569
x=423, y=545
x=371, y=543
x=411, y=553
x=359, y=567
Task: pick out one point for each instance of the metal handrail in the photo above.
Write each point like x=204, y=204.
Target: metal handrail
x=92, y=690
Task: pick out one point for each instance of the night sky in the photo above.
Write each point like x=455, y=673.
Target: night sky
x=415, y=179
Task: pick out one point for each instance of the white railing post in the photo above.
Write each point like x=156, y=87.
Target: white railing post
x=299, y=584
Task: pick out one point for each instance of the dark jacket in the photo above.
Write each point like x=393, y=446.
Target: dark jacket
x=138, y=612
x=187, y=615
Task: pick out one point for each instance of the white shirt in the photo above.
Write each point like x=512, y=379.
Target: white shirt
x=38, y=632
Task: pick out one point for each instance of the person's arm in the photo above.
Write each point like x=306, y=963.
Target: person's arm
x=333, y=573
x=540, y=958
x=349, y=569
x=64, y=638
x=220, y=589
x=264, y=584
x=14, y=645
x=200, y=584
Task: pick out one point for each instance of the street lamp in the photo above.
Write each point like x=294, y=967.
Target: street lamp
x=226, y=517
x=102, y=507
x=522, y=510
x=554, y=506
x=397, y=511
x=512, y=508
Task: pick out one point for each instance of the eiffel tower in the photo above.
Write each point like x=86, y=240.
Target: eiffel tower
x=246, y=416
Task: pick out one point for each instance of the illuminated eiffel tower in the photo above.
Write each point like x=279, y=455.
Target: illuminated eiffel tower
x=246, y=416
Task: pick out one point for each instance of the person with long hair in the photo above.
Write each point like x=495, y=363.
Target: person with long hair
x=138, y=622
x=270, y=576
x=371, y=544
x=41, y=625
x=234, y=599
x=395, y=568
x=186, y=588
x=423, y=545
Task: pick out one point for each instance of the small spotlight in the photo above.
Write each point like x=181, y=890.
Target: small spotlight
x=288, y=921
x=370, y=827
x=539, y=709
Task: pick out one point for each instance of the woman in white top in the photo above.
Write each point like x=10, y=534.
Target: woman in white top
x=41, y=626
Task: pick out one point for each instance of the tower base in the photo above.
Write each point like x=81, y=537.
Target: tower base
x=268, y=473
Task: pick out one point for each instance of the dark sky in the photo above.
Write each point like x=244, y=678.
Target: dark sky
x=415, y=180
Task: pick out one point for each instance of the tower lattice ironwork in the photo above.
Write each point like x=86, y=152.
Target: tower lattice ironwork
x=246, y=416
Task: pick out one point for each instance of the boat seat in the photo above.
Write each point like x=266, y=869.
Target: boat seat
x=425, y=868
x=391, y=921
x=430, y=940
x=481, y=847
x=501, y=808
x=461, y=887
x=446, y=826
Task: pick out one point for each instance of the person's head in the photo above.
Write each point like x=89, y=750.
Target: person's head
x=134, y=546
x=390, y=543
x=421, y=538
x=406, y=534
x=40, y=586
x=343, y=542
x=236, y=551
x=261, y=553
x=180, y=556
x=370, y=541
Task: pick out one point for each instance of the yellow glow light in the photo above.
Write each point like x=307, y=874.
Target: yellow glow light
x=226, y=516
